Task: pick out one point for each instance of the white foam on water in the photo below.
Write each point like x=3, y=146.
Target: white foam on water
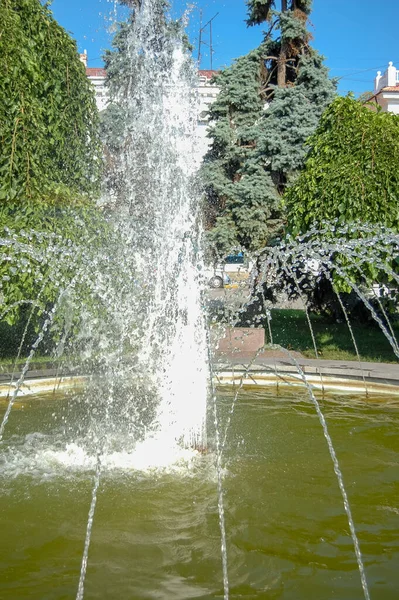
x=160, y=453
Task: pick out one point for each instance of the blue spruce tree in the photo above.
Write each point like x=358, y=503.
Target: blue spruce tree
x=270, y=103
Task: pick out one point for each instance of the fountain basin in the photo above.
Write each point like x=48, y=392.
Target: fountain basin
x=42, y=384
x=156, y=533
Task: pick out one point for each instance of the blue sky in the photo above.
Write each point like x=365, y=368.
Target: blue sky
x=355, y=37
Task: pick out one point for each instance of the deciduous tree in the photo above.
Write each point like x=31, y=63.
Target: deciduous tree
x=50, y=154
x=49, y=146
x=351, y=172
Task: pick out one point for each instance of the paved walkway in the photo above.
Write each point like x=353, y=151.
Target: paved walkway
x=36, y=371
x=270, y=360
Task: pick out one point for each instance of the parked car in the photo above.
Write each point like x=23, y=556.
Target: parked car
x=237, y=264
x=234, y=267
x=217, y=277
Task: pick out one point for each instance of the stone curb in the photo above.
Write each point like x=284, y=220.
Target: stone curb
x=323, y=376
x=343, y=376
x=379, y=372
x=41, y=385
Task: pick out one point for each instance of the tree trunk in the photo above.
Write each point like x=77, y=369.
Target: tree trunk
x=282, y=66
x=282, y=58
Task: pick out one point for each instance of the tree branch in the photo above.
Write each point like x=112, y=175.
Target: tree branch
x=272, y=26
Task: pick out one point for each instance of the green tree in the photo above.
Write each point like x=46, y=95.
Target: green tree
x=49, y=147
x=50, y=154
x=351, y=172
x=270, y=103
x=347, y=192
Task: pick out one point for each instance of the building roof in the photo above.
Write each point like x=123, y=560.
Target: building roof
x=95, y=72
x=207, y=73
x=381, y=91
x=99, y=72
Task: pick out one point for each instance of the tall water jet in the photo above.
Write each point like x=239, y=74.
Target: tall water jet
x=158, y=196
x=158, y=200
x=134, y=304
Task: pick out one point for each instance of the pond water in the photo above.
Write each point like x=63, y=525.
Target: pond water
x=156, y=532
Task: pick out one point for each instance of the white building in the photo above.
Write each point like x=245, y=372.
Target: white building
x=97, y=77
x=386, y=89
x=207, y=94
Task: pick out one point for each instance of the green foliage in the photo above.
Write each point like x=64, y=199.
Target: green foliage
x=50, y=155
x=260, y=127
x=365, y=97
x=115, y=61
x=11, y=335
x=291, y=27
x=351, y=172
x=260, y=11
x=46, y=233
x=241, y=195
x=48, y=118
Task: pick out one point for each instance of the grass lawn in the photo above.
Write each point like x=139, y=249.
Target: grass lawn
x=291, y=330
x=9, y=361
x=10, y=339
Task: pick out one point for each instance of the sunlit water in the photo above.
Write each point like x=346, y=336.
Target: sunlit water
x=156, y=531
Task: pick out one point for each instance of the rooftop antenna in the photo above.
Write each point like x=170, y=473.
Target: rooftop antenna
x=201, y=42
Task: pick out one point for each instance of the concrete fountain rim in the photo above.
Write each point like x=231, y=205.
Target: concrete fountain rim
x=324, y=376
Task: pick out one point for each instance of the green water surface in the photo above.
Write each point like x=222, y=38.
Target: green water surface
x=156, y=533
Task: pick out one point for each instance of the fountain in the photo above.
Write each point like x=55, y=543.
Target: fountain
x=117, y=480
